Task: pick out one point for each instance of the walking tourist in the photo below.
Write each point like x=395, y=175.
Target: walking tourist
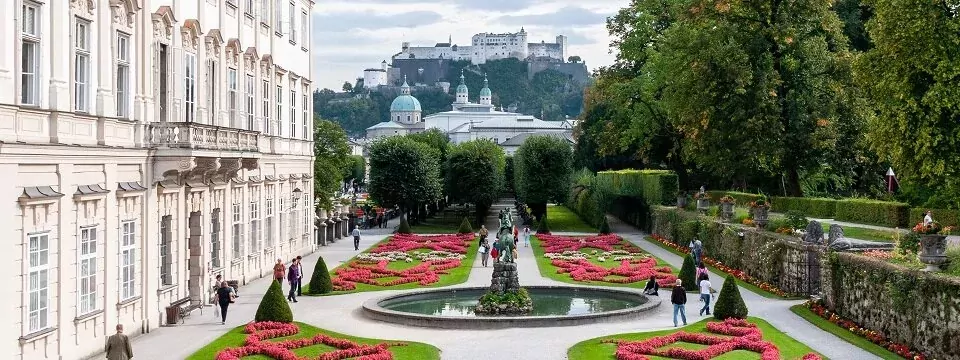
x=356, y=238
x=928, y=218
x=679, y=300
x=701, y=269
x=224, y=298
x=652, y=287
x=299, y=276
x=484, y=252
x=495, y=253
x=484, y=232
x=526, y=236
x=696, y=248
x=118, y=346
x=516, y=235
x=278, y=270
x=705, y=293
x=293, y=276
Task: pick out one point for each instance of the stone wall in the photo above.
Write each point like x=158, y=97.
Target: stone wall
x=910, y=307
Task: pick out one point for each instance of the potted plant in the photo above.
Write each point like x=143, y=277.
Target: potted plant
x=682, y=200
x=760, y=209
x=726, y=207
x=703, y=202
x=933, y=244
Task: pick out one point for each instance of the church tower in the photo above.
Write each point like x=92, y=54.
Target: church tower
x=405, y=109
x=462, y=91
x=486, y=97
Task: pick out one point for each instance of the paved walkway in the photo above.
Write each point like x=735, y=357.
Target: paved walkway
x=342, y=314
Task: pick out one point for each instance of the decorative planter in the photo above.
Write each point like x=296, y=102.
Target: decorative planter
x=681, y=202
x=726, y=211
x=760, y=216
x=703, y=205
x=932, y=251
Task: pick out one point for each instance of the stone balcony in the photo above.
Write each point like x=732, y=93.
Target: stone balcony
x=183, y=135
x=200, y=153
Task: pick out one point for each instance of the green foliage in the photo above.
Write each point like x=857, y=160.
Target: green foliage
x=475, y=173
x=542, y=170
x=729, y=303
x=910, y=78
x=604, y=226
x=543, y=227
x=356, y=169
x=908, y=243
x=331, y=153
x=404, y=227
x=688, y=274
x=403, y=172
x=320, y=280
x=356, y=114
x=796, y=220
x=273, y=306
x=465, y=227
x=883, y=213
x=508, y=174
x=586, y=199
x=740, y=198
x=655, y=187
x=943, y=216
x=820, y=208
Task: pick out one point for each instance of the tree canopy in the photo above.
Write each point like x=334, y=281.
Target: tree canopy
x=475, y=173
x=542, y=169
x=403, y=173
x=331, y=153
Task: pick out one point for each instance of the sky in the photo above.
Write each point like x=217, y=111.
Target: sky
x=351, y=35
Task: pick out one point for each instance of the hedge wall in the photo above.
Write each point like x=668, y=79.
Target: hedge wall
x=773, y=258
x=820, y=208
x=912, y=307
x=942, y=216
x=864, y=211
x=656, y=187
x=586, y=205
x=742, y=198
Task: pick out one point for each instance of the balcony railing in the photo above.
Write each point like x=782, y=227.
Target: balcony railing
x=184, y=135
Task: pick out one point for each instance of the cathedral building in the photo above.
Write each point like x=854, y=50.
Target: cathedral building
x=148, y=146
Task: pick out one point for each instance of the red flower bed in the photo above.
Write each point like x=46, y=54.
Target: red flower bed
x=629, y=271
x=559, y=244
x=874, y=336
x=731, y=334
x=424, y=273
x=259, y=332
x=739, y=274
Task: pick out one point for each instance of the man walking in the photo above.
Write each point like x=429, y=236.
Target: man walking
x=300, y=276
x=118, y=346
x=293, y=276
x=356, y=238
x=679, y=300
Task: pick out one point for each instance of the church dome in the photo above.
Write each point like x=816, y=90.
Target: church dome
x=405, y=103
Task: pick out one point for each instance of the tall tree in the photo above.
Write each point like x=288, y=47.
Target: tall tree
x=355, y=169
x=403, y=173
x=330, y=151
x=912, y=79
x=475, y=174
x=542, y=169
x=347, y=86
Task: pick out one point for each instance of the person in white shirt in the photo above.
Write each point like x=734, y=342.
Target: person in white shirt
x=705, y=293
x=928, y=218
x=526, y=236
x=356, y=238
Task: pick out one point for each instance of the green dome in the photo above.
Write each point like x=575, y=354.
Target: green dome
x=485, y=92
x=405, y=103
x=462, y=89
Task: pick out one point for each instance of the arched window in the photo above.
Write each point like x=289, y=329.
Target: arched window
x=408, y=118
x=398, y=118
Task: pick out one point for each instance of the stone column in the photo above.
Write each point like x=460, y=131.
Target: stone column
x=322, y=227
x=345, y=218
x=330, y=225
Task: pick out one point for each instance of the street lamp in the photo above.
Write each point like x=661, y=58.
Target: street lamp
x=294, y=199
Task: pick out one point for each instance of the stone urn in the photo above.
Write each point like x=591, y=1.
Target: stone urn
x=703, y=205
x=726, y=211
x=933, y=248
x=681, y=202
x=760, y=216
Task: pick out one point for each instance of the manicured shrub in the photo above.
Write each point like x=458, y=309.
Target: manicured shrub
x=740, y=198
x=604, y=226
x=404, y=227
x=729, y=303
x=273, y=306
x=320, y=280
x=874, y=212
x=688, y=274
x=543, y=227
x=656, y=187
x=820, y=208
x=465, y=227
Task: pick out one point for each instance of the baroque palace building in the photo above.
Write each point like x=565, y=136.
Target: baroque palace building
x=146, y=146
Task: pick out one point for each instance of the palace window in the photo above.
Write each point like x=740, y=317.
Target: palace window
x=268, y=206
x=189, y=87
x=306, y=120
x=304, y=32
x=283, y=214
x=248, y=7
x=237, y=228
x=254, y=223
x=232, y=97
x=250, y=112
x=265, y=12
x=277, y=16
x=163, y=96
x=128, y=259
x=30, y=53
x=123, y=75
x=212, y=91
x=216, y=247
x=293, y=22
x=293, y=113
x=81, y=66
x=166, y=250
x=87, y=261
x=39, y=264
x=265, y=91
x=280, y=109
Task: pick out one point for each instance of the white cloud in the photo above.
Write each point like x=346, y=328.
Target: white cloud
x=351, y=35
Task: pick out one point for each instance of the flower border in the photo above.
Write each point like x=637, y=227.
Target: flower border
x=873, y=336
x=259, y=332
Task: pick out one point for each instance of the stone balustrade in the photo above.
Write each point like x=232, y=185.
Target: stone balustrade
x=201, y=136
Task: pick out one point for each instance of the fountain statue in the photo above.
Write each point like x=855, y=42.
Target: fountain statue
x=505, y=296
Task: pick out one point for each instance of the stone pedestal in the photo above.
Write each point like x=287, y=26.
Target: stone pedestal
x=504, y=278
x=505, y=296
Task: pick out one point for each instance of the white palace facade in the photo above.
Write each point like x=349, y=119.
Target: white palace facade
x=146, y=146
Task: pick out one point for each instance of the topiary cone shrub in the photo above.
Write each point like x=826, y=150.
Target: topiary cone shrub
x=465, y=227
x=729, y=303
x=404, y=227
x=273, y=306
x=688, y=274
x=320, y=280
x=542, y=227
x=604, y=226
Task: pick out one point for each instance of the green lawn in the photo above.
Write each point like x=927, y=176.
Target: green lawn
x=742, y=284
x=561, y=219
x=549, y=271
x=453, y=276
x=443, y=223
x=235, y=338
x=842, y=333
x=863, y=233
x=595, y=349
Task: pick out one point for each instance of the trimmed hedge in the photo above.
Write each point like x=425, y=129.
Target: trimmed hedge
x=821, y=208
x=688, y=274
x=942, y=216
x=741, y=198
x=273, y=306
x=628, y=194
x=874, y=212
x=729, y=303
x=656, y=187
x=320, y=280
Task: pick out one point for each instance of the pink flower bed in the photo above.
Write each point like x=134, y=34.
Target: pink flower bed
x=630, y=271
x=259, y=332
x=729, y=335
x=559, y=244
x=425, y=273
